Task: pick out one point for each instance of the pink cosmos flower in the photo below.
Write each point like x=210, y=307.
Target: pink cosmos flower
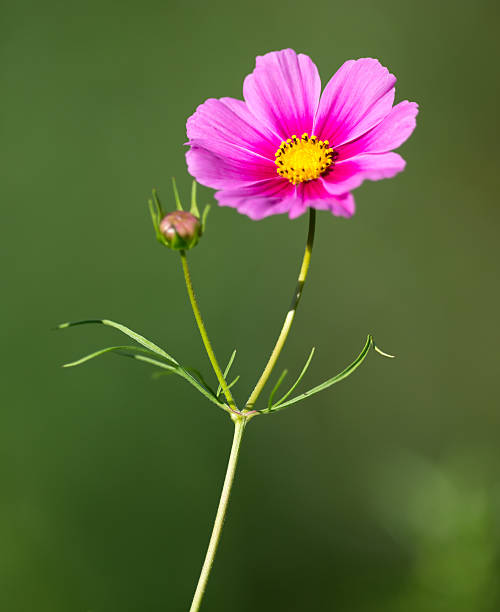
x=288, y=147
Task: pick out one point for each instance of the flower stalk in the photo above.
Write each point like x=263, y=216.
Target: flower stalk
x=204, y=334
x=304, y=268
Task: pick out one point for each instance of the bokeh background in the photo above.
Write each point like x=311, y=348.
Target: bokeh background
x=382, y=493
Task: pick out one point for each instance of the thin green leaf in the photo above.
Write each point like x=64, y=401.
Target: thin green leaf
x=231, y=384
x=200, y=377
x=275, y=389
x=226, y=371
x=296, y=383
x=128, y=332
x=153, y=361
x=194, y=206
x=149, y=349
x=331, y=381
x=176, y=195
x=157, y=374
x=381, y=352
x=234, y=382
x=183, y=374
x=109, y=349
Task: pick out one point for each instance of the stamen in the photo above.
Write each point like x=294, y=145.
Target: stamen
x=306, y=158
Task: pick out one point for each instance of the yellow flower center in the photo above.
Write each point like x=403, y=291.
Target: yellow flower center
x=303, y=159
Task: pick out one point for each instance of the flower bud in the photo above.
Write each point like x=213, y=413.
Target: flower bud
x=181, y=230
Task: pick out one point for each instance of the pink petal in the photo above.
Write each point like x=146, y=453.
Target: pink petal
x=226, y=147
x=387, y=135
x=348, y=175
x=223, y=172
x=220, y=123
x=262, y=199
x=358, y=96
x=344, y=206
x=259, y=199
x=283, y=92
x=294, y=200
x=295, y=204
x=316, y=195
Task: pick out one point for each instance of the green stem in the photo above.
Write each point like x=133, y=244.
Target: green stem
x=290, y=315
x=239, y=427
x=203, y=332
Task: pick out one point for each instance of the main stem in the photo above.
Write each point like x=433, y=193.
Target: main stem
x=204, y=334
x=290, y=315
x=239, y=426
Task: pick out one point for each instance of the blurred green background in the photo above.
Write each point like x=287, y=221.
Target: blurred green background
x=383, y=492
